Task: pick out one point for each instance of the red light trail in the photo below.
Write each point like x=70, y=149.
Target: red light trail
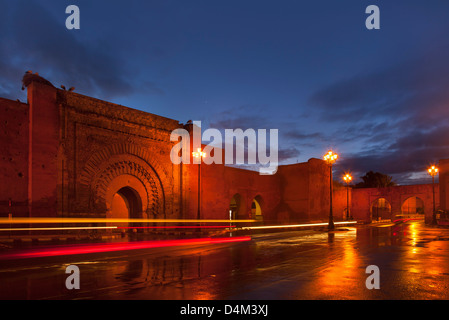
x=111, y=247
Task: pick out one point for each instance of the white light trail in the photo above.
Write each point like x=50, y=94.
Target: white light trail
x=300, y=225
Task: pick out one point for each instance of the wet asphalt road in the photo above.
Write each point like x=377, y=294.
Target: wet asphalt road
x=413, y=260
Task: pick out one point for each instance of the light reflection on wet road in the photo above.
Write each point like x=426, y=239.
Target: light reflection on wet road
x=413, y=260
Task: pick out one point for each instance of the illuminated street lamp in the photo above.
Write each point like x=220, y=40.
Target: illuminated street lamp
x=433, y=171
x=347, y=178
x=199, y=155
x=330, y=158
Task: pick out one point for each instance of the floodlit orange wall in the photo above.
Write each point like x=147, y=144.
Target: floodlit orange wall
x=444, y=183
x=44, y=152
x=363, y=198
x=219, y=183
x=340, y=202
x=296, y=193
x=13, y=158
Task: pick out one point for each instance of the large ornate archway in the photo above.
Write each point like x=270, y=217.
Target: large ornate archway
x=119, y=171
x=129, y=173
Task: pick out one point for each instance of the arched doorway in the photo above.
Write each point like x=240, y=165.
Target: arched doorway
x=118, y=173
x=380, y=209
x=256, y=209
x=413, y=207
x=126, y=203
x=126, y=198
x=234, y=207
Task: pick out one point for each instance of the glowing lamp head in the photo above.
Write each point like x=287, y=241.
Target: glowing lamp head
x=347, y=178
x=432, y=170
x=199, y=154
x=330, y=157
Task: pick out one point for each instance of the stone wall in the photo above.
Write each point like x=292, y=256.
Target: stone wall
x=444, y=183
x=13, y=158
x=66, y=154
x=363, y=199
x=102, y=141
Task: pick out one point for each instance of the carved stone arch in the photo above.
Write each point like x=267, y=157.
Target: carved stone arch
x=102, y=156
x=100, y=180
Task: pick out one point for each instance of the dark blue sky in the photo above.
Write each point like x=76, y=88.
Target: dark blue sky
x=308, y=68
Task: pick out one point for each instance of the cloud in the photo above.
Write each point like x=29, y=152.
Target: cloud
x=290, y=153
x=397, y=116
x=300, y=135
x=36, y=41
x=246, y=116
x=392, y=120
x=406, y=158
x=256, y=117
x=399, y=90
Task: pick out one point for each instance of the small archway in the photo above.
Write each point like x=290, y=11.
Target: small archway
x=234, y=207
x=413, y=206
x=380, y=209
x=126, y=198
x=256, y=208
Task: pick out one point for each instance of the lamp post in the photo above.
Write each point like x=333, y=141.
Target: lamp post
x=347, y=178
x=433, y=171
x=330, y=158
x=199, y=155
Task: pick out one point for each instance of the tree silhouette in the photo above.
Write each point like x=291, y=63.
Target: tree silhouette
x=375, y=180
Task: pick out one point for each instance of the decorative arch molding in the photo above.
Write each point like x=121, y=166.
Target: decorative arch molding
x=100, y=157
x=103, y=167
x=154, y=196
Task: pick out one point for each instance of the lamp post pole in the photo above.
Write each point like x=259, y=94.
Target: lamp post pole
x=347, y=178
x=347, y=203
x=199, y=155
x=330, y=158
x=433, y=171
x=331, y=215
x=198, y=215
